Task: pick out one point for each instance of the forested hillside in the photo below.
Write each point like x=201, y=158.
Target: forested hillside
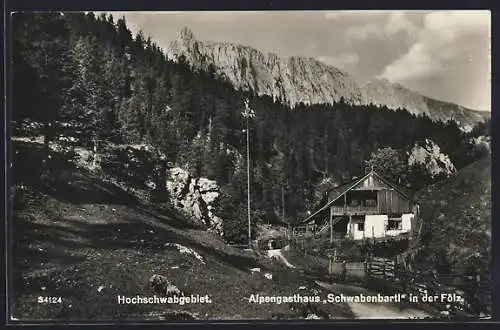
x=457, y=222
x=298, y=79
x=89, y=80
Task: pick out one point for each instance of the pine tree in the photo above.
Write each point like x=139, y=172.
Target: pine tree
x=92, y=72
x=91, y=99
x=43, y=44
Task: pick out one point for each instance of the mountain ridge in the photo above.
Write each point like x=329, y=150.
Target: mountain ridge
x=296, y=79
x=266, y=73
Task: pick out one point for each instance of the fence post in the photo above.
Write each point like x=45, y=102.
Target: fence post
x=344, y=270
x=395, y=272
x=478, y=295
x=383, y=269
x=367, y=276
x=305, y=246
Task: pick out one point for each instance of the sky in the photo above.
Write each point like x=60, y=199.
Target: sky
x=440, y=54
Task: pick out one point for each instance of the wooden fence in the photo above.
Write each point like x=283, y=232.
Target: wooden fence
x=381, y=268
x=348, y=269
x=484, y=292
x=301, y=231
x=382, y=273
x=376, y=268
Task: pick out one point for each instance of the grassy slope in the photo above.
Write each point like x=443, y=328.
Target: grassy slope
x=457, y=212
x=88, y=241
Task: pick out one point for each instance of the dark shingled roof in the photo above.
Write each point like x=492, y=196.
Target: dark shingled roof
x=336, y=192
x=339, y=190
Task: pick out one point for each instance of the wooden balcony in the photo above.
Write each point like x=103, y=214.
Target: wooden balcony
x=359, y=209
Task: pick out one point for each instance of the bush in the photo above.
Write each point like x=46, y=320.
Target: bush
x=353, y=251
x=18, y=197
x=128, y=165
x=278, y=242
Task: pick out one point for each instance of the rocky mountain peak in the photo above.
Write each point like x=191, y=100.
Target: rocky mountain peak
x=295, y=79
x=291, y=80
x=394, y=96
x=185, y=34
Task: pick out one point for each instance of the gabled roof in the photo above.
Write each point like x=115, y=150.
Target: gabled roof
x=339, y=191
x=400, y=189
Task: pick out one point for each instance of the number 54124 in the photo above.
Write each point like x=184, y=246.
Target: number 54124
x=49, y=300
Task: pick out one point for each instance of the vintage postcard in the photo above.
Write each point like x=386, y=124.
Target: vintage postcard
x=250, y=165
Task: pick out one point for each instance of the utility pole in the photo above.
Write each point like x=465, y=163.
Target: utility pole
x=331, y=226
x=248, y=113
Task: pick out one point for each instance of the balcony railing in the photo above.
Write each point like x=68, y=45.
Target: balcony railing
x=358, y=209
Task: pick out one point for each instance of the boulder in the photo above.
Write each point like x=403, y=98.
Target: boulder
x=162, y=286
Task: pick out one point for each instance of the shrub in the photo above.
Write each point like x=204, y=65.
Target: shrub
x=18, y=197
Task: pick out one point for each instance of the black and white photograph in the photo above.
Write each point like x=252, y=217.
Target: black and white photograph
x=207, y=166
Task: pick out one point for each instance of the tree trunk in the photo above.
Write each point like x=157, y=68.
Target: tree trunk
x=283, y=203
x=95, y=148
x=161, y=180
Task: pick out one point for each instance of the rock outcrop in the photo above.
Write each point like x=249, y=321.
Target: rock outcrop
x=294, y=80
x=195, y=197
x=483, y=142
x=394, y=96
x=162, y=286
x=429, y=155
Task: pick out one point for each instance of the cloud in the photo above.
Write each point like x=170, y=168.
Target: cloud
x=398, y=22
x=457, y=21
x=362, y=32
x=341, y=61
x=311, y=47
x=200, y=16
x=444, y=37
x=334, y=15
x=417, y=63
x=157, y=13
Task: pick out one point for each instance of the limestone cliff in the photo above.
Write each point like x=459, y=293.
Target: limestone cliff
x=430, y=156
x=291, y=80
x=294, y=80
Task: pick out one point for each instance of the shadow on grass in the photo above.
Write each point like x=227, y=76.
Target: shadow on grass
x=67, y=247
x=74, y=186
x=66, y=183
x=58, y=243
x=133, y=231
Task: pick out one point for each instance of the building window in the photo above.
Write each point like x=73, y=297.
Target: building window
x=395, y=224
x=354, y=202
x=361, y=226
x=371, y=202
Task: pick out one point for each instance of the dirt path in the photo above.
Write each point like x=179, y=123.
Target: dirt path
x=374, y=310
x=362, y=310
x=276, y=253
